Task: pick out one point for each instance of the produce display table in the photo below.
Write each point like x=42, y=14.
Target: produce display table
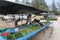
x=28, y=36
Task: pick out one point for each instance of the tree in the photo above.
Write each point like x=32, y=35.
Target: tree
x=54, y=9
x=34, y=2
x=59, y=8
x=40, y=4
x=23, y=1
x=28, y=3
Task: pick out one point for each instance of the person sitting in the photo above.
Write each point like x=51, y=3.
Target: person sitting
x=37, y=22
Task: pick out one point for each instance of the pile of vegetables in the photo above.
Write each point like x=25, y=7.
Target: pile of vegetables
x=13, y=36
x=45, y=22
x=21, y=32
x=52, y=18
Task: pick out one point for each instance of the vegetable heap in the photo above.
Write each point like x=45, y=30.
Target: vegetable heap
x=21, y=32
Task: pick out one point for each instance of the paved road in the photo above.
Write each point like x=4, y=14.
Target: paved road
x=55, y=32
x=43, y=35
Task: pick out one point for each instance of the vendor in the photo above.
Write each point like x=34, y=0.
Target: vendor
x=16, y=22
x=29, y=19
x=37, y=22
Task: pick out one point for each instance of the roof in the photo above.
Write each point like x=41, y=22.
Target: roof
x=7, y=7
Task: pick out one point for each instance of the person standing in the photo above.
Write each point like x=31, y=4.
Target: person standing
x=29, y=19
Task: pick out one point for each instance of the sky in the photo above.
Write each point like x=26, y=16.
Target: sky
x=49, y=2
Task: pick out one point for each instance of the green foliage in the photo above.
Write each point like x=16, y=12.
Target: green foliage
x=40, y=4
x=22, y=32
x=45, y=22
x=14, y=36
x=54, y=8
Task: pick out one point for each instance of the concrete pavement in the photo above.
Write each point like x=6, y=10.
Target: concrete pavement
x=55, y=30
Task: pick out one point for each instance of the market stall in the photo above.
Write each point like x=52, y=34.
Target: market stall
x=24, y=31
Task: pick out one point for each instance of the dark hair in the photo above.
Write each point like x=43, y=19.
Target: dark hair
x=19, y=19
x=29, y=14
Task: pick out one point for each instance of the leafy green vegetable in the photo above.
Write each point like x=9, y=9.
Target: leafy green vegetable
x=22, y=32
x=13, y=36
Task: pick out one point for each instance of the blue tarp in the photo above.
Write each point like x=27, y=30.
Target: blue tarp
x=1, y=38
x=26, y=37
x=33, y=33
